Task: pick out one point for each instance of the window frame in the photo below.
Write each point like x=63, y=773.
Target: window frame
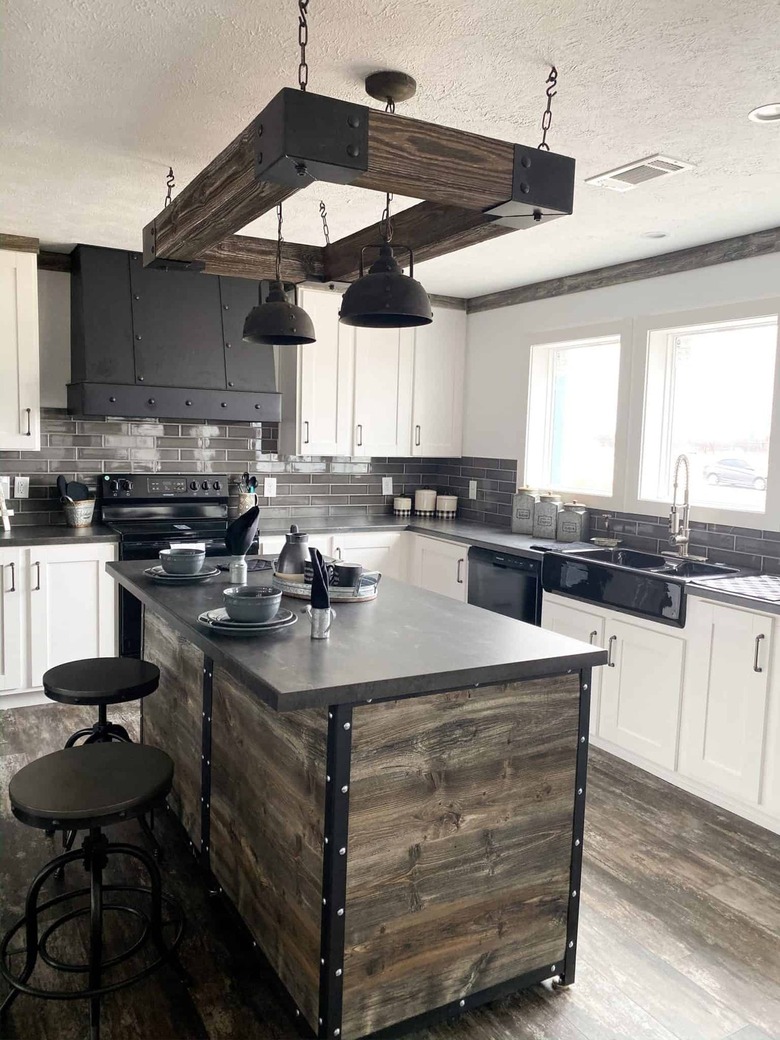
x=620, y=330
x=644, y=326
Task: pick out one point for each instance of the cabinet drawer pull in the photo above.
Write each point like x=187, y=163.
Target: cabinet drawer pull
x=360, y=435
x=337, y=551
x=457, y=576
x=306, y=427
x=612, y=641
x=29, y=422
x=37, y=566
x=417, y=433
x=592, y=636
x=756, y=666
x=13, y=578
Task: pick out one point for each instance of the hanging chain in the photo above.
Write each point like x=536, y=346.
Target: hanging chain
x=324, y=218
x=171, y=182
x=552, y=81
x=279, y=242
x=303, y=39
x=386, y=223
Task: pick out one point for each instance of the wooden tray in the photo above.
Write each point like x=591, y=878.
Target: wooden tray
x=300, y=590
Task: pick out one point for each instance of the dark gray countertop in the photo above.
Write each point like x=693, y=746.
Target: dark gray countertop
x=405, y=642
x=55, y=534
x=734, y=599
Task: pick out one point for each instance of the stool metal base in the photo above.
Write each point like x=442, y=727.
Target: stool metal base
x=94, y=854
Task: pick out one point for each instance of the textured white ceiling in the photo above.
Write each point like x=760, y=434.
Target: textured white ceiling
x=98, y=97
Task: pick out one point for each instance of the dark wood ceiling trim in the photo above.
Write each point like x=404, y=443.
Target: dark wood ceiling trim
x=19, y=243
x=455, y=303
x=758, y=243
x=241, y=256
x=430, y=229
x=62, y=262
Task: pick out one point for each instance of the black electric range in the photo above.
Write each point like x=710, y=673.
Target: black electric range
x=149, y=511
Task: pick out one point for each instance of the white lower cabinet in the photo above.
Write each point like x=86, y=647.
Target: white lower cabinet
x=375, y=550
x=12, y=662
x=641, y=690
x=58, y=604
x=585, y=625
x=724, y=716
x=439, y=566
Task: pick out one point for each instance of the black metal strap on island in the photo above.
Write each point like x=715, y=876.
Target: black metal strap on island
x=205, y=763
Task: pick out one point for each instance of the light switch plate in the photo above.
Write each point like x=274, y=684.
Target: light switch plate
x=472, y=489
x=21, y=487
x=269, y=487
x=6, y=484
x=387, y=485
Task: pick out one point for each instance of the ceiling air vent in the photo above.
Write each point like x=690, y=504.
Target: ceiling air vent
x=625, y=178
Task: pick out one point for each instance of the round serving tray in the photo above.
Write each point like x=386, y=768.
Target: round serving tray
x=300, y=590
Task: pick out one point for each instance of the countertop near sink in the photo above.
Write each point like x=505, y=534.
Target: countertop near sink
x=54, y=534
x=718, y=590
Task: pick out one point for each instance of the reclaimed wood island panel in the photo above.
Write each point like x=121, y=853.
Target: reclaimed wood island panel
x=396, y=855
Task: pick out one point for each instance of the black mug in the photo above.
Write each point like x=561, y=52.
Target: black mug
x=341, y=574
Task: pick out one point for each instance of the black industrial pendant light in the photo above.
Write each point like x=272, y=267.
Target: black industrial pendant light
x=386, y=298
x=277, y=320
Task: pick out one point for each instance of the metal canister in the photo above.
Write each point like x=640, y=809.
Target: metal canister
x=523, y=505
x=546, y=516
x=573, y=523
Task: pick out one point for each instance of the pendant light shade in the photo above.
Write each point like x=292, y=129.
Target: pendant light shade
x=386, y=298
x=278, y=321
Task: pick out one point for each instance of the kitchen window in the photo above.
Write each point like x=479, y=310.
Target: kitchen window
x=709, y=390
x=572, y=415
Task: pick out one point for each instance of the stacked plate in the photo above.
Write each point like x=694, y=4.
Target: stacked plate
x=217, y=620
x=158, y=574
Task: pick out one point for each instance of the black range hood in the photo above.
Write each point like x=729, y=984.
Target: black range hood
x=164, y=343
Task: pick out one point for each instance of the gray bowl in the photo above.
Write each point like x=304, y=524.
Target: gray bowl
x=256, y=603
x=183, y=560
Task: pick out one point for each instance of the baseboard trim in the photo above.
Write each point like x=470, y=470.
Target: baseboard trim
x=23, y=699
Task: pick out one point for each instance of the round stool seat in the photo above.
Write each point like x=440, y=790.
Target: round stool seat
x=90, y=786
x=101, y=680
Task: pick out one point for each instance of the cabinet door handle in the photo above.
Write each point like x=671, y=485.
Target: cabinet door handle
x=612, y=641
x=360, y=435
x=29, y=422
x=337, y=550
x=13, y=577
x=592, y=636
x=417, y=436
x=756, y=666
x=306, y=427
x=457, y=576
x=37, y=566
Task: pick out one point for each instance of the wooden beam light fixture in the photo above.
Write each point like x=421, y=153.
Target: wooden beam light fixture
x=474, y=188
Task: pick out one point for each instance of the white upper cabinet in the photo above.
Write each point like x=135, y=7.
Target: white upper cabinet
x=19, y=366
x=723, y=724
x=316, y=381
x=437, y=396
x=384, y=361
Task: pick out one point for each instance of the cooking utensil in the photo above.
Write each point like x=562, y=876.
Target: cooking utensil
x=252, y=484
x=245, y=481
x=252, y=603
x=77, y=491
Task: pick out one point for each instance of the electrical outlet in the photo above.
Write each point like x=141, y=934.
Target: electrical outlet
x=21, y=487
x=472, y=489
x=387, y=485
x=269, y=487
x=5, y=482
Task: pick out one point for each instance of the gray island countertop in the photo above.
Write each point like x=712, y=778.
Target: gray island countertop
x=405, y=642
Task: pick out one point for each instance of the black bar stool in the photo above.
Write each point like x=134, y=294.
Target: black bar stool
x=101, y=681
x=89, y=788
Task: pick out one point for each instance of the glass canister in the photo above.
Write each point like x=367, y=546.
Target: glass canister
x=546, y=516
x=573, y=523
x=523, y=505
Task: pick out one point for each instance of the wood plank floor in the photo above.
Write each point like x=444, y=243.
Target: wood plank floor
x=679, y=937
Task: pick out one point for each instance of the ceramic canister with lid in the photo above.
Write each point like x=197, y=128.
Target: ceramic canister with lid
x=546, y=516
x=573, y=523
x=523, y=505
x=446, y=506
x=402, y=506
x=424, y=502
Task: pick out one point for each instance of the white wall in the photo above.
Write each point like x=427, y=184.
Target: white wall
x=54, y=331
x=498, y=342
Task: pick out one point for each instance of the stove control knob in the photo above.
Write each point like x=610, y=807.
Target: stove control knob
x=216, y=485
x=205, y=485
x=113, y=485
x=193, y=485
x=126, y=485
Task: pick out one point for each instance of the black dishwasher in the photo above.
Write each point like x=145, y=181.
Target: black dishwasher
x=506, y=584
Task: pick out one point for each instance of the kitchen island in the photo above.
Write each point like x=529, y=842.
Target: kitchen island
x=396, y=813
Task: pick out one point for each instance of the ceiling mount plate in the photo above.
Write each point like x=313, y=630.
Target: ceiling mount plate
x=390, y=85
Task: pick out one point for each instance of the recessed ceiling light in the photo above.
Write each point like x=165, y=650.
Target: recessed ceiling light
x=766, y=113
x=655, y=234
